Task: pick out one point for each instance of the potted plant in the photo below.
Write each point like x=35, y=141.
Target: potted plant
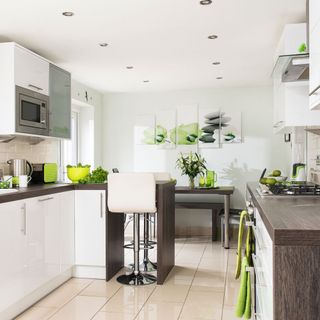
x=191, y=165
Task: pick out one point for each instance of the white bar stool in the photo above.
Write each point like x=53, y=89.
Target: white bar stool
x=133, y=193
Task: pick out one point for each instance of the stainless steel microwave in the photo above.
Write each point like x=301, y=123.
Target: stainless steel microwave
x=32, y=112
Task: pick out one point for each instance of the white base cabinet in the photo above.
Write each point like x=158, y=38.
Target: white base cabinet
x=37, y=245
x=90, y=233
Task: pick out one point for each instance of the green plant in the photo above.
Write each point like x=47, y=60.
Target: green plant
x=98, y=175
x=191, y=165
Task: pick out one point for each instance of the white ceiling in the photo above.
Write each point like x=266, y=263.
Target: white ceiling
x=165, y=40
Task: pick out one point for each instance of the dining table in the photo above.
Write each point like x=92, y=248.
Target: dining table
x=225, y=191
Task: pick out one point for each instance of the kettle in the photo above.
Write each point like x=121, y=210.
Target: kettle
x=19, y=167
x=299, y=172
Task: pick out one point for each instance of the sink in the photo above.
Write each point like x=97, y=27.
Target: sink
x=6, y=191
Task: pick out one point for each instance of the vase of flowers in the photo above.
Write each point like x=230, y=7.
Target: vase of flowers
x=191, y=165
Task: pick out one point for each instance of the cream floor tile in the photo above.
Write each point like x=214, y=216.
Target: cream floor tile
x=231, y=293
x=208, y=281
x=160, y=311
x=203, y=305
x=129, y=299
x=169, y=293
x=37, y=313
x=101, y=288
x=61, y=295
x=80, y=281
x=229, y=313
x=80, y=308
x=113, y=316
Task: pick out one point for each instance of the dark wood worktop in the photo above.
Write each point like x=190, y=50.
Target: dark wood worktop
x=38, y=190
x=219, y=190
x=290, y=220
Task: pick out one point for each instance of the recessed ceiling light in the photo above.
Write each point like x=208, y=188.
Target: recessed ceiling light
x=103, y=44
x=215, y=63
x=68, y=13
x=205, y=2
x=212, y=37
x=129, y=67
x=219, y=78
x=146, y=81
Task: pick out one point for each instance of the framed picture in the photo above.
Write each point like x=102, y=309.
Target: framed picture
x=210, y=128
x=231, y=128
x=187, y=130
x=166, y=121
x=144, y=130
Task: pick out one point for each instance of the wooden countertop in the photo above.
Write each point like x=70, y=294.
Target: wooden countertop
x=290, y=220
x=38, y=190
x=219, y=190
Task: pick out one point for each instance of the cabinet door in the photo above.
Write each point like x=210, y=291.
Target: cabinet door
x=31, y=71
x=12, y=248
x=314, y=81
x=314, y=14
x=60, y=103
x=66, y=200
x=90, y=236
x=43, y=240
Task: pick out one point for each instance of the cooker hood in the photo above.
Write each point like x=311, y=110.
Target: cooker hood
x=292, y=67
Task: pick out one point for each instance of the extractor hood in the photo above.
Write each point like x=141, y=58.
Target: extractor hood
x=292, y=67
x=314, y=130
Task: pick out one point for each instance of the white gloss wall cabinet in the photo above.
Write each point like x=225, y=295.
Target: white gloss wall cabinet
x=291, y=106
x=37, y=243
x=23, y=68
x=59, y=103
x=31, y=71
x=12, y=248
x=90, y=233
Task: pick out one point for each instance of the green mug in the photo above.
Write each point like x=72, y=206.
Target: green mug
x=211, y=178
x=202, y=181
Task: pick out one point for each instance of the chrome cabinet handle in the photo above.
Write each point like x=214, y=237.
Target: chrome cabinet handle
x=278, y=124
x=24, y=223
x=315, y=91
x=34, y=87
x=45, y=199
x=101, y=205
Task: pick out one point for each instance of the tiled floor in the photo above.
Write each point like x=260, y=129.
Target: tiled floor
x=201, y=286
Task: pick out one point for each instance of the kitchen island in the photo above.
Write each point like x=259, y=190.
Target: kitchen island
x=293, y=225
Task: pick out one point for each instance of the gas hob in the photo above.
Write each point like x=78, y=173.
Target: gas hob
x=290, y=189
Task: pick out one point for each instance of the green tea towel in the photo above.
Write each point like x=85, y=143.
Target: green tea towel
x=243, y=215
x=243, y=307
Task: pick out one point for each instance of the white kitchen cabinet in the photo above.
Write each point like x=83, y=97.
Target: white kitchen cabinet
x=263, y=266
x=43, y=240
x=314, y=14
x=90, y=210
x=291, y=107
x=12, y=248
x=31, y=71
x=314, y=83
x=67, y=229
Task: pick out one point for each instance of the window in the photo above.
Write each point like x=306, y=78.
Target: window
x=69, y=149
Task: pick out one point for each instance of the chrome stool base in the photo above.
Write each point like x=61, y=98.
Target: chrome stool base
x=137, y=279
x=148, y=266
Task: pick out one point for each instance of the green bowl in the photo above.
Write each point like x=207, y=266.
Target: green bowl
x=75, y=174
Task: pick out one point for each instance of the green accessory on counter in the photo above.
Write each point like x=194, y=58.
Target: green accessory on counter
x=243, y=307
x=239, y=250
x=50, y=172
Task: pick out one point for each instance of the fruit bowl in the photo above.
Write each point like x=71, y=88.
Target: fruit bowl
x=281, y=178
x=76, y=174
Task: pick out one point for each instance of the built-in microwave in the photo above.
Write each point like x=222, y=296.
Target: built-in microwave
x=32, y=112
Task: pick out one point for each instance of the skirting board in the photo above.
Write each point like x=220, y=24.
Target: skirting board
x=91, y=272
x=25, y=303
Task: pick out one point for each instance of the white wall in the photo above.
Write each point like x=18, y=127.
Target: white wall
x=235, y=164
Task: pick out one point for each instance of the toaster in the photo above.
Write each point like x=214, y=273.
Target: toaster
x=44, y=173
